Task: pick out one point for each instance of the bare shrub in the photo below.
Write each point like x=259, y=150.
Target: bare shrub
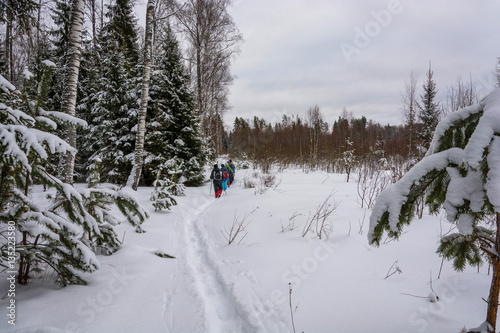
x=370, y=184
x=317, y=221
x=398, y=166
x=237, y=229
x=259, y=181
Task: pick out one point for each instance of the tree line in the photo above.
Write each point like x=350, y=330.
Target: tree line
x=309, y=141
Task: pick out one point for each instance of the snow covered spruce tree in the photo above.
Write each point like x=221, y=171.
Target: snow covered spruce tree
x=112, y=106
x=47, y=234
x=460, y=173
x=173, y=129
x=61, y=231
x=162, y=194
x=429, y=110
x=61, y=15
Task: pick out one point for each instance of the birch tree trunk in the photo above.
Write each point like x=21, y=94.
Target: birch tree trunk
x=71, y=79
x=135, y=174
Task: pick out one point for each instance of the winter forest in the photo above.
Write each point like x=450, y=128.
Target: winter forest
x=109, y=131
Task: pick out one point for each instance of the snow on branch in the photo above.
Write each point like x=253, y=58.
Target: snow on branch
x=64, y=117
x=487, y=128
x=388, y=208
x=464, y=158
x=20, y=141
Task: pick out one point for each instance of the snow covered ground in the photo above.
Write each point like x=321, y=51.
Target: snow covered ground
x=338, y=284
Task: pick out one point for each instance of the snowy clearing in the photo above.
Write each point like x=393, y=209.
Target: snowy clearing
x=339, y=284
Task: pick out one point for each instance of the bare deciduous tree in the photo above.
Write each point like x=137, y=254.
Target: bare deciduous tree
x=213, y=40
x=460, y=95
x=409, y=108
x=315, y=120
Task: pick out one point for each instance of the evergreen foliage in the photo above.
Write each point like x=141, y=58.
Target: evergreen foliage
x=111, y=106
x=460, y=173
x=173, y=126
x=89, y=92
x=429, y=110
x=161, y=195
x=47, y=234
x=61, y=231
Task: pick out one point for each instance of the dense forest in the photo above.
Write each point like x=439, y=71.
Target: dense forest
x=186, y=93
x=88, y=96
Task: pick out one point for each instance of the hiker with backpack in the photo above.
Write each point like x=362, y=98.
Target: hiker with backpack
x=225, y=176
x=216, y=177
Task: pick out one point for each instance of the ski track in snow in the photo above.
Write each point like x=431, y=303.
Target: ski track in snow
x=212, y=300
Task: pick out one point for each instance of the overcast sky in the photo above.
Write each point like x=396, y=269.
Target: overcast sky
x=356, y=54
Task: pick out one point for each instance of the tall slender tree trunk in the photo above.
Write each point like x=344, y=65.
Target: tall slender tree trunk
x=205, y=120
x=71, y=80
x=491, y=316
x=135, y=175
x=93, y=23
x=8, y=45
x=38, y=23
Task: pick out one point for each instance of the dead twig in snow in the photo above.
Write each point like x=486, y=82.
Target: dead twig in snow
x=238, y=228
x=393, y=270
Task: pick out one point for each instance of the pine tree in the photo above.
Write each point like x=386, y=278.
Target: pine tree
x=162, y=194
x=173, y=126
x=59, y=233
x=461, y=173
x=90, y=89
x=429, y=110
x=112, y=106
x=47, y=233
x=348, y=158
x=19, y=17
x=61, y=15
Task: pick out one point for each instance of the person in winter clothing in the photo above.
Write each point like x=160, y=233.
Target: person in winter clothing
x=232, y=169
x=230, y=174
x=225, y=176
x=216, y=177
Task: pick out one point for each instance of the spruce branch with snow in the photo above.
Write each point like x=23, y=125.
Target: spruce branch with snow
x=161, y=195
x=173, y=127
x=61, y=232
x=110, y=104
x=460, y=173
x=49, y=234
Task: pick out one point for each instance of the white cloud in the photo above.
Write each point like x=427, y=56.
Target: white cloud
x=291, y=58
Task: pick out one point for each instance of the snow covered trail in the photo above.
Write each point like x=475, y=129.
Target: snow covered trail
x=339, y=283
x=212, y=305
